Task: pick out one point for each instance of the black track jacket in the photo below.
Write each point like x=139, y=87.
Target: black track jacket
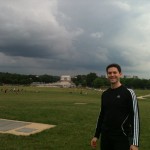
x=119, y=114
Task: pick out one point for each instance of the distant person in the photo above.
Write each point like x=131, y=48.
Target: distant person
x=118, y=121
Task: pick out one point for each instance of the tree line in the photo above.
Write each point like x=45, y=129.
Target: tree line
x=19, y=79
x=94, y=81
x=90, y=80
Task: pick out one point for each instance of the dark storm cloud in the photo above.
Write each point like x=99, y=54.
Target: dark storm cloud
x=31, y=31
x=73, y=37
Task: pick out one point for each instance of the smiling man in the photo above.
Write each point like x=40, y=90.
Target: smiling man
x=118, y=122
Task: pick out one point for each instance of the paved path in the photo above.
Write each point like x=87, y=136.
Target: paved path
x=143, y=97
x=21, y=127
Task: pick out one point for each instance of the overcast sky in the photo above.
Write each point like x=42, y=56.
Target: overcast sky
x=58, y=37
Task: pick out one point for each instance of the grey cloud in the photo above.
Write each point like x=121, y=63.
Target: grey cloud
x=73, y=36
x=28, y=35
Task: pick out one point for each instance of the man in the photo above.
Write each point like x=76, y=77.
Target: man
x=118, y=122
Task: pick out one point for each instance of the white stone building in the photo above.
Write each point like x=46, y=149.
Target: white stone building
x=65, y=78
x=65, y=82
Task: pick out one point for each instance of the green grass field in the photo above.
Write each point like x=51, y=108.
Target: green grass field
x=75, y=123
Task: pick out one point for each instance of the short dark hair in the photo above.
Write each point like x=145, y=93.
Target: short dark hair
x=114, y=65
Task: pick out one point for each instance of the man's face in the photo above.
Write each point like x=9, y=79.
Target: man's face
x=113, y=75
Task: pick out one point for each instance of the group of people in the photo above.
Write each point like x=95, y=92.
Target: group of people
x=118, y=122
x=14, y=90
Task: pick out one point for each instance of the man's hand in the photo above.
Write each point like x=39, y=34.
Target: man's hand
x=133, y=147
x=94, y=142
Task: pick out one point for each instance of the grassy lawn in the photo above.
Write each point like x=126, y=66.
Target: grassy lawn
x=75, y=123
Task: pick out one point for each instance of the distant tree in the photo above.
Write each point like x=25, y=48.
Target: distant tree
x=79, y=80
x=98, y=82
x=83, y=83
x=90, y=79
